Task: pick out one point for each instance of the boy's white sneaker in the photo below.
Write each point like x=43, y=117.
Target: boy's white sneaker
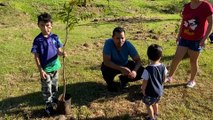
x=191, y=84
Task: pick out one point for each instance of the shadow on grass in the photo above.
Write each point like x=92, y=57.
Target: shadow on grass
x=81, y=94
x=134, y=92
x=19, y=105
x=140, y=116
x=174, y=85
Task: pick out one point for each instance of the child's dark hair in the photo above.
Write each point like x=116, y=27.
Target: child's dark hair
x=154, y=52
x=44, y=17
x=118, y=30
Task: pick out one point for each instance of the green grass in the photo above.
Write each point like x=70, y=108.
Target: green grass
x=146, y=22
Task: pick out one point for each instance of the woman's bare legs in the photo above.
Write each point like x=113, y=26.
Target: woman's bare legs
x=179, y=54
x=193, y=55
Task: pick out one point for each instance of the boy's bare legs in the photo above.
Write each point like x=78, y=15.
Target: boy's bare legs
x=180, y=52
x=193, y=55
x=155, y=108
x=150, y=111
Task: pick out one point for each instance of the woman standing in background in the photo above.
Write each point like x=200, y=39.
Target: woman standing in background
x=195, y=28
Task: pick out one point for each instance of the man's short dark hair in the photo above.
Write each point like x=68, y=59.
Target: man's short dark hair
x=118, y=30
x=154, y=52
x=44, y=17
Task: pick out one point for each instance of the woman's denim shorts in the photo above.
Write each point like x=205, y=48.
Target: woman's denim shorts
x=193, y=45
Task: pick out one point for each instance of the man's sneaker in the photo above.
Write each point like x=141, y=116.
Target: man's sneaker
x=50, y=111
x=124, y=82
x=112, y=87
x=125, y=85
x=168, y=79
x=191, y=84
x=148, y=118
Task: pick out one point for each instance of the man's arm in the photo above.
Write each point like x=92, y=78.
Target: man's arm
x=138, y=62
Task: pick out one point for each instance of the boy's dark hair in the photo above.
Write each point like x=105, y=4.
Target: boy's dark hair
x=44, y=17
x=118, y=30
x=154, y=52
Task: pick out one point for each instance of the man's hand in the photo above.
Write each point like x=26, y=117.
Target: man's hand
x=125, y=71
x=132, y=74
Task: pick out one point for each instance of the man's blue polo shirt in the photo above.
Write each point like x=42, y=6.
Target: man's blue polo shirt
x=47, y=49
x=119, y=57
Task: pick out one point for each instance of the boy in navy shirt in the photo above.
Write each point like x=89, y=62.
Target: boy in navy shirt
x=46, y=48
x=153, y=78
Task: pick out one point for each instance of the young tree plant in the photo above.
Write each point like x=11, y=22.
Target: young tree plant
x=69, y=17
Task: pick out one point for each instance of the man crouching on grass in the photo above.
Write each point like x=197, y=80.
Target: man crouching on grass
x=115, y=60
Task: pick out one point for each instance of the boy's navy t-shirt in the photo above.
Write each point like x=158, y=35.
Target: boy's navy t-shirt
x=47, y=49
x=119, y=57
x=155, y=75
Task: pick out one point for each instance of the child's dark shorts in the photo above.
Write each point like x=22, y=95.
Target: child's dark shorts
x=150, y=100
x=193, y=45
